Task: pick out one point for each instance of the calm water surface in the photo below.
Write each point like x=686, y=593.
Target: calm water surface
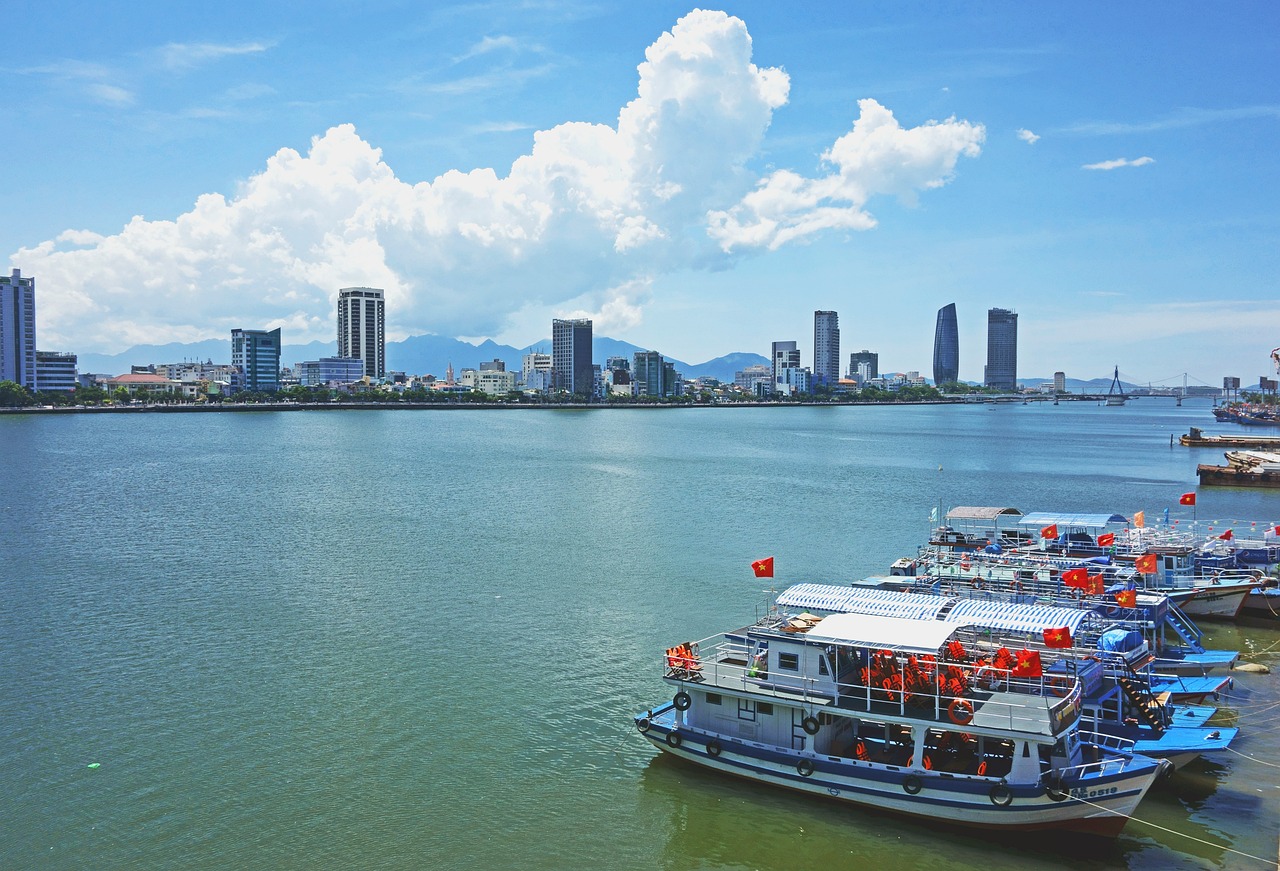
x=378, y=639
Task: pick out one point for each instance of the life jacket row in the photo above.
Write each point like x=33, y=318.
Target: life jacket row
x=683, y=658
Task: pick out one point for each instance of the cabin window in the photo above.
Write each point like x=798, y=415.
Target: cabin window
x=822, y=666
x=746, y=710
x=765, y=708
x=713, y=699
x=789, y=661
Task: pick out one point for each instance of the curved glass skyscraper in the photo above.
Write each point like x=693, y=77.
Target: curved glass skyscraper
x=946, y=347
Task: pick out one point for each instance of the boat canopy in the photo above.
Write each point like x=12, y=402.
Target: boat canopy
x=1015, y=618
x=883, y=603
x=886, y=633
x=1048, y=518
x=977, y=512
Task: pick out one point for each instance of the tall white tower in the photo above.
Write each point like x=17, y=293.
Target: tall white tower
x=362, y=328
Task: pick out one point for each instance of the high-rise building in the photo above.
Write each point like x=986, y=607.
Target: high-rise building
x=257, y=354
x=826, y=348
x=864, y=365
x=362, y=328
x=784, y=355
x=652, y=375
x=1059, y=382
x=946, y=347
x=1002, y=350
x=55, y=371
x=18, y=330
x=571, y=356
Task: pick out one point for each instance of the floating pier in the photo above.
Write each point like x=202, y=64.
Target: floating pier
x=1197, y=439
x=1229, y=476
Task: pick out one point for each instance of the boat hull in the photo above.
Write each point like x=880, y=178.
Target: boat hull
x=1222, y=602
x=1099, y=806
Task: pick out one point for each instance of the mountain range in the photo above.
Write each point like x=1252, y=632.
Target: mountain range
x=416, y=355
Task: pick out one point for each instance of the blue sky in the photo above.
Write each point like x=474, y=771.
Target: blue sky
x=1106, y=170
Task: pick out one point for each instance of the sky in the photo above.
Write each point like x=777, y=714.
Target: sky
x=697, y=181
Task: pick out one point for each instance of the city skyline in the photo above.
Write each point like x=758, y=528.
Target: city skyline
x=884, y=160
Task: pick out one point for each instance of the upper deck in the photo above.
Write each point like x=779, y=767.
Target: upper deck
x=889, y=667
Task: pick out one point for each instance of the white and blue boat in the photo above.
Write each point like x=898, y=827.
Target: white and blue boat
x=891, y=714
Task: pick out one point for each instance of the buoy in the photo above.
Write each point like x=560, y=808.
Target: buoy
x=94, y=765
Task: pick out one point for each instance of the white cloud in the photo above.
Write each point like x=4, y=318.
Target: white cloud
x=878, y=156
x=183, y=56
x=487, y=45
x=110, y=95
x=1027, y=136
x=582, y=223
x=1119, y=162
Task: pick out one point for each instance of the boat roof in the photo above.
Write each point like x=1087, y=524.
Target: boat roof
x=977, y=512
x=882, y=603
x=888, y=633
x=1015, y=618
x=1047, y=518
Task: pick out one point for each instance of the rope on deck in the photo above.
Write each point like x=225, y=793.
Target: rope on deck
x=1270, y=862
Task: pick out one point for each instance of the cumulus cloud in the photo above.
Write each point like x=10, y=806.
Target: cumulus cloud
x=1119, y=162
x=878, y=156
x=1027, y=136
x=581, y=224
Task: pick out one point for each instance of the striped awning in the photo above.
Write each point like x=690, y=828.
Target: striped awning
x=1027, y=619
x=1089, y=521
x=861, y=600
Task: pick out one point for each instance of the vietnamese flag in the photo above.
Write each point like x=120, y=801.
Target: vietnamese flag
x=1075, y=578
x=1060, y=637
x=1146, y=564
x=1095, y=586
x=1127, y=598
x=1027, y=664
x=1187, y=499
x=1050, y=531
x=1226, y=536
x=1106, y=539
x=763, y=567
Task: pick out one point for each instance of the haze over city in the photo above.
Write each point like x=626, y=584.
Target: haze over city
x=698, y=182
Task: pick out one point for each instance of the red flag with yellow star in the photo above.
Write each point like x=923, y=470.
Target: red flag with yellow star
x=763, y=567
x=1060, y=637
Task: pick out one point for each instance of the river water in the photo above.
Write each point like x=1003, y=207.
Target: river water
x=394, y=639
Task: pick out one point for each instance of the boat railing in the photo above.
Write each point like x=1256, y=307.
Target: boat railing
x=943, y=690
x=1111, y=742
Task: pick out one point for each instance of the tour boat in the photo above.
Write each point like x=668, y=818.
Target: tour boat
x=896, y=714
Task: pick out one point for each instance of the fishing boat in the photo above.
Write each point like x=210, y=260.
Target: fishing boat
x=890, y=713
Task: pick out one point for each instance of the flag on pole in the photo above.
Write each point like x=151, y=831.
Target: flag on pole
x=1027, y=664
x=763, y=567
x=933, y=514
x=1140, y=519
x=1127, y=598
x=1096, y=586
x=1146, y=564
x=1106, y=539
x=1187, y=499
x=1076, y=578
x=1050, y=531
x=1227, y=536
x=1060, y=637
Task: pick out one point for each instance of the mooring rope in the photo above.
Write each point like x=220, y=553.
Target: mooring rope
x=1253, y=759
x=1270, y=862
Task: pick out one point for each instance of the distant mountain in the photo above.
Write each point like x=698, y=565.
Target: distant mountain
x=416, y=355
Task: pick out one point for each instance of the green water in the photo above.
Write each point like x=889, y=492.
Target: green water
x=379, y=639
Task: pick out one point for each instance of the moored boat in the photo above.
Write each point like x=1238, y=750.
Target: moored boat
x=891, y=713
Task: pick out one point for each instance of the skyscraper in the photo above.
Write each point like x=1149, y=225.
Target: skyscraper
x=362, y=328
x=826, y=348
x=257, y=353
x=785, y=355
x=571, y=356
x=864, y=365
x=946, y=347
x=18, y=330
x=1002, y=350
